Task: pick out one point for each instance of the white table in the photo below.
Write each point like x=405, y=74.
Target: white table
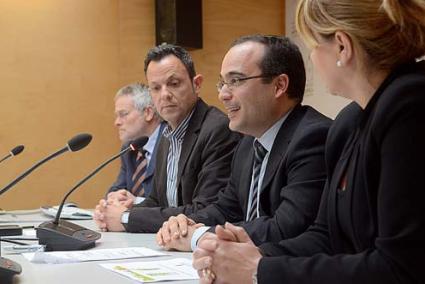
x=89, y=272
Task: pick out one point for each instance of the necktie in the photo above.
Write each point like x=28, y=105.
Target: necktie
x=259, y=154
x=139, y=175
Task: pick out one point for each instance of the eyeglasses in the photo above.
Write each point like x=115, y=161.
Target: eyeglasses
x=236, y=82
x=122, y=114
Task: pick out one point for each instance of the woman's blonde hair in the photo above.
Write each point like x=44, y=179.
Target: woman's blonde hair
x=390, y=32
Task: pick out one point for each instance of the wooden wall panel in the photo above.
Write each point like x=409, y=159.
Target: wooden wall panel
x=223, y=22
x=58, y=63
x=61, y=62
x=137, y=35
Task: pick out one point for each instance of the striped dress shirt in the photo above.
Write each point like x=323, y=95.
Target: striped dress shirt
x=175, y=138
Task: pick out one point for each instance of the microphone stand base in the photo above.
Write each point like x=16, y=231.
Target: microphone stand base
x=65, y=236
x=8, y=269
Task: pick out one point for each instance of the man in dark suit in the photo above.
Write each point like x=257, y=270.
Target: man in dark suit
x=194, y=154
x=136, y=116
x=275, y=188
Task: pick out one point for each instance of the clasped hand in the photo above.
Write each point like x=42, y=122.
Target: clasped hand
x=107, y=213
x=176, y=233
x=229, y=257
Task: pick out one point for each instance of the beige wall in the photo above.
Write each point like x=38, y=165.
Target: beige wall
x=58, y=72
x=61, y=62
x=223, y=21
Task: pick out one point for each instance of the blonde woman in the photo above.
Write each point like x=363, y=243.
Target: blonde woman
x=371, y=226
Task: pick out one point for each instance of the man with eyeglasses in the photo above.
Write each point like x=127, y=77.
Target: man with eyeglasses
x=135, y=116
x=278, y=172
x=194, y=154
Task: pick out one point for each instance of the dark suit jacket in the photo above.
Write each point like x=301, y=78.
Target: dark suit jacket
x=378, y=237
x=129, y=165
x=292, y=184
x=204, y=168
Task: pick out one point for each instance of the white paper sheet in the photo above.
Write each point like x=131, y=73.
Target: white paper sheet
x=73, y=213
x=56, y=257
x=154, y=271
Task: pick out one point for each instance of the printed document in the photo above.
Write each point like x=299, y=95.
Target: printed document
x=56, y=257
x=154, y=271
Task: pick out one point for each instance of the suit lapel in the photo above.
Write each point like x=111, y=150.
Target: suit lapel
x=340, y=169
x=161, y=164
x=151, y=167
x=246, y=177
x=191, y=136
x=281, y=143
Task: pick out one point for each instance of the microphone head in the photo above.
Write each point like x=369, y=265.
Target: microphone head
x=79, y=142
x=138, y=144
x=17, y=150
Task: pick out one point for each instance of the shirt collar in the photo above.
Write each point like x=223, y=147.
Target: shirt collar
x=267, y=139
x=180, y=131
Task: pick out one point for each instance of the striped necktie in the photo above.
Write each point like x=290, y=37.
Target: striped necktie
x=259, y=154
x=139, y=175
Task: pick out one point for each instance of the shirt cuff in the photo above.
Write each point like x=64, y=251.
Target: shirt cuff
x=124, y=217
x=138, y=200
x=199, y=232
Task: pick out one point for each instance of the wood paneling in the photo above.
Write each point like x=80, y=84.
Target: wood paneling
x=58, y=75
x=61, y=62
x=224, y=21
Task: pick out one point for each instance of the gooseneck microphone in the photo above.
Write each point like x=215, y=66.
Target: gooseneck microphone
x=9, y=268
x=63, y=235
x=15, y=151
x=134, y=146
x=76, y=143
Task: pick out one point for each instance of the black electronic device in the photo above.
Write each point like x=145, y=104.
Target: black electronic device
x=8, y=269
x=64, y=235
x=15, y=151
x=10, y=230
x=179, y=22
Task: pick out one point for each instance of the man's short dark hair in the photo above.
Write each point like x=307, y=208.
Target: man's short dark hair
x=159, y=52
x=281, y=56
